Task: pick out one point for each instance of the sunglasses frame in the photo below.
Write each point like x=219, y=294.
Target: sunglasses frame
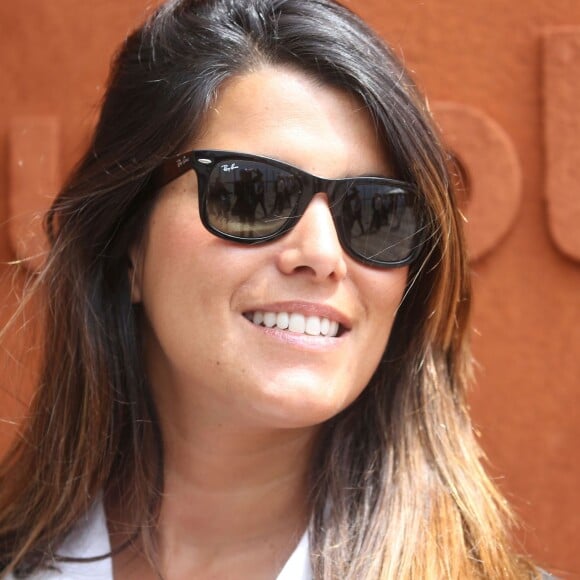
x=203, y=162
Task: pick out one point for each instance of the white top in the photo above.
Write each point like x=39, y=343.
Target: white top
x=91, y=538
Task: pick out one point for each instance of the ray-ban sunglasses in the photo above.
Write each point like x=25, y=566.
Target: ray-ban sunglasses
x=251, y=199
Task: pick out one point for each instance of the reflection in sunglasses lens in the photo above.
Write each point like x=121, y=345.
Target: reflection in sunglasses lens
x=379, y=222
x=251, y=199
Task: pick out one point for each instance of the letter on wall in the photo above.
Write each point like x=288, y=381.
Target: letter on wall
x=561, y=92
x=488, y=157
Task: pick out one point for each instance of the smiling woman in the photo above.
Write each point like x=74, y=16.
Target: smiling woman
x=256, y=310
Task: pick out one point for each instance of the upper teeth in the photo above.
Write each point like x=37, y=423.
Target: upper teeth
x=295, y=322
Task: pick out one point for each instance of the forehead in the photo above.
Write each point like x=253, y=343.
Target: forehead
x=285, y=114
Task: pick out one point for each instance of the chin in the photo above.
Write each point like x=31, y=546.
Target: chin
x=303, y=407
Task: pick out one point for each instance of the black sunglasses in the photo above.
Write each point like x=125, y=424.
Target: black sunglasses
x=252, y=199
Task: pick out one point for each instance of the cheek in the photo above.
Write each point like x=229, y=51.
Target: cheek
x=186, y=271
x=175, y=237
x=383, y=291
x=171, y=258
x=175, y=232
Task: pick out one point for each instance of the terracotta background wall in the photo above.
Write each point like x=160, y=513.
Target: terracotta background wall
x=503, y=77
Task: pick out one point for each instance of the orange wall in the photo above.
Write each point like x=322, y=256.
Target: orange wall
x=503, y=79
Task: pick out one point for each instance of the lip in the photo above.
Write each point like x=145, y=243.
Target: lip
x=306, y=309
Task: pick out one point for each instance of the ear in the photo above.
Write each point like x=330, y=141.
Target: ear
x=134, y=271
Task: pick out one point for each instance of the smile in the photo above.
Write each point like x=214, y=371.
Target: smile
x=295, y=322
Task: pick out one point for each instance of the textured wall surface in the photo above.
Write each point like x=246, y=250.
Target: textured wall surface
x=503, y=79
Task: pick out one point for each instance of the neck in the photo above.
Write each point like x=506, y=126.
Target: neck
x=226, y=485
x=235, y=502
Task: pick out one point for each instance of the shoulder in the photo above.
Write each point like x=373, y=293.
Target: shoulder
x=85, y=552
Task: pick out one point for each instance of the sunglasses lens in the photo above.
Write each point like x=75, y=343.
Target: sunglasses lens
x=250, y=199
x=253, y=200
x=381, y=222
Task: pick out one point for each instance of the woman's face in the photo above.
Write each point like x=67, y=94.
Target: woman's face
x=207, y=361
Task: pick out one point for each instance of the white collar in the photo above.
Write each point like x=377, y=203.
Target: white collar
x=90, y=538
x=298, y=565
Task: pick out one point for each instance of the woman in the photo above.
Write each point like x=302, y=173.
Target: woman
x=278, y=397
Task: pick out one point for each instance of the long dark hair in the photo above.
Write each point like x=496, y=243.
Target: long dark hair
x=399, y=468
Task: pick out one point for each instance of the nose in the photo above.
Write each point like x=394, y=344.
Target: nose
x=312, y=246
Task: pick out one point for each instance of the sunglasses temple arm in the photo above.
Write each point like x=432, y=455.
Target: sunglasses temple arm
x=172, y=169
